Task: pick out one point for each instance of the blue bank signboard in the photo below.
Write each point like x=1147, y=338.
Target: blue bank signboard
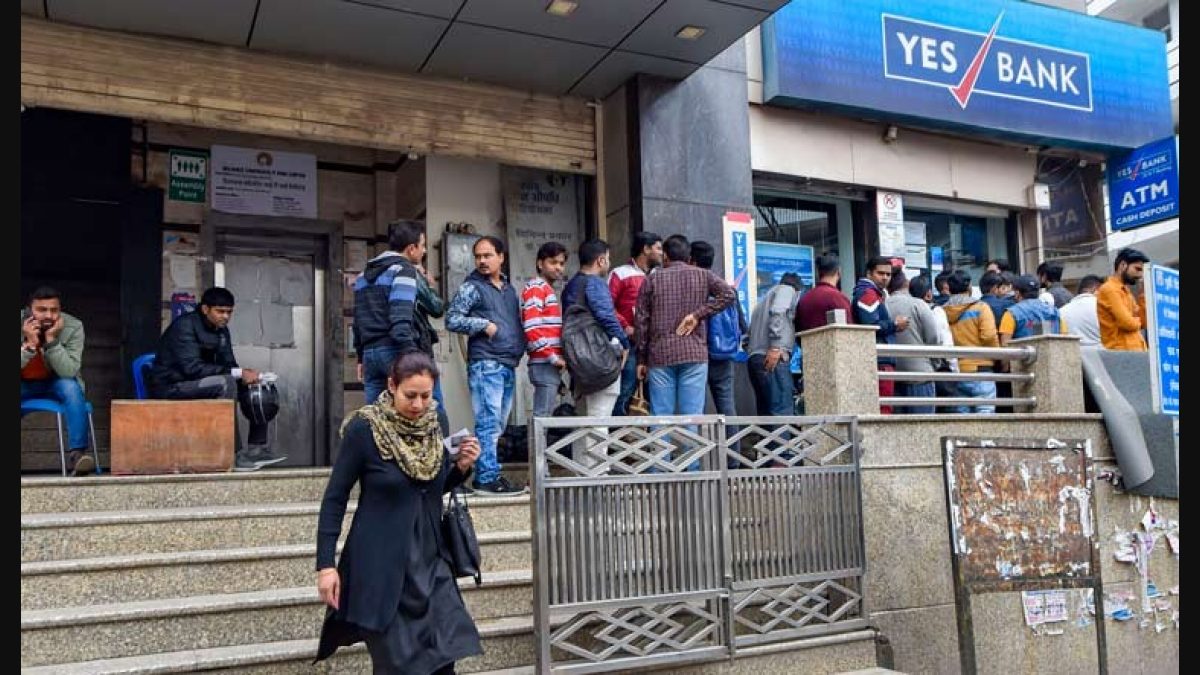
x=773, y=260
x=1143, y=186
x=1005, y=68
x=1163, y=329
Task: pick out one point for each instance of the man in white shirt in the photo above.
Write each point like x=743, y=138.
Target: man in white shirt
x=1080, y=312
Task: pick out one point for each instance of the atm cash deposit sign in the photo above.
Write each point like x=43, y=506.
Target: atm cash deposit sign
x=1002, y=68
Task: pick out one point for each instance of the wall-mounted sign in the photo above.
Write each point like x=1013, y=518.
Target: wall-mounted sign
x=540, y=206
x=889, y=211
x=1143, y=186
x=188, y=176
x=264, y=182
x=740, y=265
x=1162, y=313
x=774, y=260
x=1005, y=68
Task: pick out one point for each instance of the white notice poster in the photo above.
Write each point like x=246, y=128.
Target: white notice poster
x=891, y=239
x=259, y=182
x=889, y=207
x=539, y=206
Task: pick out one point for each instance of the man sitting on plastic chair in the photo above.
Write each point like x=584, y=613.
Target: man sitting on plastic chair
x=51, y=354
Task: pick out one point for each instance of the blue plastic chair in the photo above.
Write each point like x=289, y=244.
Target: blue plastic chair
x=51, y=406
x=140, y=365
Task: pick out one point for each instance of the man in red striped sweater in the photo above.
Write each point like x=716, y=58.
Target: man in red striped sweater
x=624, y=284
x=541, y=316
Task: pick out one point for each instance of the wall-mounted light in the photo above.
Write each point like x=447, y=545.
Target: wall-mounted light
x=891, y=133
x=690, y=33
x=561, y=7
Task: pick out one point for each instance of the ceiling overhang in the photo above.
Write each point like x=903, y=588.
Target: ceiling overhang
x=514, y=43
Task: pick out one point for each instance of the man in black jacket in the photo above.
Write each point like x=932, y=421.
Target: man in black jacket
x=194, y=360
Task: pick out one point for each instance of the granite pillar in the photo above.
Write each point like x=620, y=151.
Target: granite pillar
x=1057, y=374
x=840, y=371
x=689, y=153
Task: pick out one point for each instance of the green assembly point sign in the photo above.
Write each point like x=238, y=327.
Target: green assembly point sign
x=189, y=175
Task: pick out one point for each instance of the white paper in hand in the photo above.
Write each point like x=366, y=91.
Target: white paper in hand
x=452, y=441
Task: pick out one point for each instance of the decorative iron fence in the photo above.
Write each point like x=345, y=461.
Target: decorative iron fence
x=670, y=540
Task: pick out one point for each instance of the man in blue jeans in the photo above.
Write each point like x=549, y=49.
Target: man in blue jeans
x=671, y=336
x=51, y=355
x=385, y=297
x=772, y=339
x=487, y=309
x=720, y=365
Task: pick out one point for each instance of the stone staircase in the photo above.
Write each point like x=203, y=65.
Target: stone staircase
x=214, y=573
x=170, y=574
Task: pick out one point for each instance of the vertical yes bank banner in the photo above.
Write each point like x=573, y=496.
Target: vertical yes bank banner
x=1003, y=68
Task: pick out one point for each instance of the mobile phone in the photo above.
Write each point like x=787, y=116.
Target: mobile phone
x=453, y=441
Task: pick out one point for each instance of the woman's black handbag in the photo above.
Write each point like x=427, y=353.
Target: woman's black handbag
x=461, y=544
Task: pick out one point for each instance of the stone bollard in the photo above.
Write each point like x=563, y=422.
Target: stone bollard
x=1057, y=373
x=840, y=371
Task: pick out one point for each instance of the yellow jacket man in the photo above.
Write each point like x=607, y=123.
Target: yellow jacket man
x=1121, y=312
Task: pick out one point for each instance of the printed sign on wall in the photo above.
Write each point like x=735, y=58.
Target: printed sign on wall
x=740, y=266
x=258, y=182
x=1143, y=186
x=1162, y=314
x=1004, y=68
x=188, y=176
x=539, y=206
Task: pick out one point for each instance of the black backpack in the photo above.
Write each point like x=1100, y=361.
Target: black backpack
x=591, y=359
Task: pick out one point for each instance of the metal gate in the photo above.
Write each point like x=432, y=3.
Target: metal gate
x=670, y=540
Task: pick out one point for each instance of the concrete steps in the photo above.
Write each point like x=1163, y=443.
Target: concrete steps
x=79, y=534
x=214, y=573
x=158, y=574
x=128, y=629
x=88, y=581
x=52, y=494
x=508, y=644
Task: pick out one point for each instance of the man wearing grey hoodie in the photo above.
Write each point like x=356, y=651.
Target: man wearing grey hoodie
x=922, y=330
x=772, y=340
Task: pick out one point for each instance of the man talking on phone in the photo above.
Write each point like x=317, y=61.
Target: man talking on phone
x=51, y=355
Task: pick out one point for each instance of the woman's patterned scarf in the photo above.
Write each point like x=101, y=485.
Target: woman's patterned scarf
x=414, y=445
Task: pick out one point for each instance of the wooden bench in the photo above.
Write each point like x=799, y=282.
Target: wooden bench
x=152, y=437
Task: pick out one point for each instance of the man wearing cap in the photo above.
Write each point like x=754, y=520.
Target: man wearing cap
x=1021, y=320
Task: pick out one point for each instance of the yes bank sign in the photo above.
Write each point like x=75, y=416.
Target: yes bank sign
x=1013, y=70
x=1143, y=186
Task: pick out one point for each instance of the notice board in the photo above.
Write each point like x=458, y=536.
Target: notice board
x=1022, y=518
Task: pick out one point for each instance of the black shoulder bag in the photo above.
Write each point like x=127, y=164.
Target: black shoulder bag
x=462, y=545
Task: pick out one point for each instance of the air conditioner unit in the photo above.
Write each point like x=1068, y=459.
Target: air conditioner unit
x=1037, y=196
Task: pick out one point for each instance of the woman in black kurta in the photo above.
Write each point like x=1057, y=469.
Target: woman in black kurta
x=392, y=587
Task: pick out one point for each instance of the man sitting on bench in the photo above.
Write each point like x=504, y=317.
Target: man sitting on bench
x=194, y=360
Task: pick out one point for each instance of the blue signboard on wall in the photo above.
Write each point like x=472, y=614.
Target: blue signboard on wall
x=1143, y=186
x=773, y=260
x=1163, y=315
x=1005, y=68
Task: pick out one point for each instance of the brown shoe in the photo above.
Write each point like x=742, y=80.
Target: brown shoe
x=81, y=462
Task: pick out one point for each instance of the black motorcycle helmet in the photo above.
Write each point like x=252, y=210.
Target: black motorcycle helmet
x=259, y=402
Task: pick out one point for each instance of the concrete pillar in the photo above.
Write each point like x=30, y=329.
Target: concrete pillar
x=689, y=151
x=840, y=372
x=1057, y=372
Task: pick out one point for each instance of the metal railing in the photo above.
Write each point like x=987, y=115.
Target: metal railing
x=671, y=540
x=1024, y=354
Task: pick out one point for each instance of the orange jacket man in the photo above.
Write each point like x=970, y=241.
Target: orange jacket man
x=1121, y=312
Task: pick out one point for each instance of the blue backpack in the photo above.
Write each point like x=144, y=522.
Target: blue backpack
x=724, y=334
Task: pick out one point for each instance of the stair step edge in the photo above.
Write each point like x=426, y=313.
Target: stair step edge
x=267, y=509
x=198, y=605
